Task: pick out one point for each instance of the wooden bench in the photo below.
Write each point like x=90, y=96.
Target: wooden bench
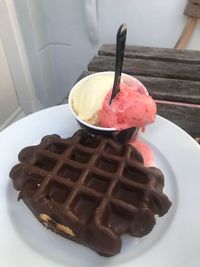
x=171, y=76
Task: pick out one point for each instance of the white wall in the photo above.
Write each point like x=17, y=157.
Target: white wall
x=9, y=106
x=17, y=57
x=57, y=45
x=62, y=36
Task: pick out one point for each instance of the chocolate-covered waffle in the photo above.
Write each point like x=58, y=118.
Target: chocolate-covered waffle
x=90, y=189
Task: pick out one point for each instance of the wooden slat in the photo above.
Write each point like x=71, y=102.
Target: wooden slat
x=162, y=54
x=168, y=89
x=172, y=89
x=194, y=1
x=192, y=10
x=187, y=32
x=150, y=68
x=188, y=118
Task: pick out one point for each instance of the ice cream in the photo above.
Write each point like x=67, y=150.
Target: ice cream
x=145, y=151
x=88, y=97
x=131, y=107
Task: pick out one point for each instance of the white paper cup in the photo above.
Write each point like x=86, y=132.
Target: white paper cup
x=122, y=136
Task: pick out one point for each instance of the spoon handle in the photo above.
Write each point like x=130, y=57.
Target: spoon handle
x=120, y=47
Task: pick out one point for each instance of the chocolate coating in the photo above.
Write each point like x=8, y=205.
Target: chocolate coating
x=90, y=189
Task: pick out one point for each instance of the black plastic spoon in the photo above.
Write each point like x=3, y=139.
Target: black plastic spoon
x=125, y=135
x=120, y=47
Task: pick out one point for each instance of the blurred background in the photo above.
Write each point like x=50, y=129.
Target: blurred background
x=46, y=44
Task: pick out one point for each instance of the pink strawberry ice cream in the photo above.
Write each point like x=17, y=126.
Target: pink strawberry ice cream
x=131, y=107
x=145, y=151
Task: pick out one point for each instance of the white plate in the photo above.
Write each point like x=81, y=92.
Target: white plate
x=174, y=241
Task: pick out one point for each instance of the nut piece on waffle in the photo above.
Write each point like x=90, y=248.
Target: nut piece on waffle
x=90, y=189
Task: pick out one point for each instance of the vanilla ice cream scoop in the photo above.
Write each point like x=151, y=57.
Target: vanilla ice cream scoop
x=88, y=97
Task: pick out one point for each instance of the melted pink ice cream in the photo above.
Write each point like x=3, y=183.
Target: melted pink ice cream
x=145, y=151
x=131, y=107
